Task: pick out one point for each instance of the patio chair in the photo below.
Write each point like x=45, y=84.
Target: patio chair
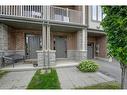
x=12, y=59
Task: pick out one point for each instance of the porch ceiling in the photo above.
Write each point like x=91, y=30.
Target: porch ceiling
x=96, y=33
x=37, y=25
x=22, y=25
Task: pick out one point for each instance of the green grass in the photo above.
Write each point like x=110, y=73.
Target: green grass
x=107, y=85
x=2, y=73
x=44, y=81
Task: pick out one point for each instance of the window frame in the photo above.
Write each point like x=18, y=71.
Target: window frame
x=93, y=13
x=97, y=14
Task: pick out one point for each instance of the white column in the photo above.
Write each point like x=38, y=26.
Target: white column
x=48, y=37
x=43, y=37
x=83, y=15
x=84, y=30
x=81, y=45
x=82, y=40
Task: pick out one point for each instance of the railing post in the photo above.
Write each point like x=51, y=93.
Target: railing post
x=44, y=12
x=21, y=10
x=6, y=9
x=48, y=13
x=67, y=13
x=9, y=9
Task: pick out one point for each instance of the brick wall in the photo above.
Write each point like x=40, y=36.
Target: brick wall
x=16, y=38
x=101, y=41
x=71, y=39
x=11, y=39
x=102, y=46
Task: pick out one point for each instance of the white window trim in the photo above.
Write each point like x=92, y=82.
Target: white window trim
x=97, y=20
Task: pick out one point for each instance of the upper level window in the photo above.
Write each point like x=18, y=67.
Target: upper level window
x=97, y=13
x=94, y=12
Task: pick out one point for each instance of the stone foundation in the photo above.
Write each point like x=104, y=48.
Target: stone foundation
x=81, y=55
x=76, y=54
x=71, y=54
x=41, y=59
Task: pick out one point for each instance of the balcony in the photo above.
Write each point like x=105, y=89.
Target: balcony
x=50, y=13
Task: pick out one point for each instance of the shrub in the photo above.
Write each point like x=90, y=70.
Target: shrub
x=88, y=66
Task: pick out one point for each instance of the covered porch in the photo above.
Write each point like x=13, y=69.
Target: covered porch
x=96, y=45
x=41, y=41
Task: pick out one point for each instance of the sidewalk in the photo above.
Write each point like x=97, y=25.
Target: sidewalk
x=71, y=78
x=16, y=80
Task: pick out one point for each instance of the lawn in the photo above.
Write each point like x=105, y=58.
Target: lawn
x=44, y=81
x=107, y=85
x=2, y=73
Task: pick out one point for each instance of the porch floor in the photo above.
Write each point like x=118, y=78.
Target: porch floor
x=66, y=62
x=29, y=66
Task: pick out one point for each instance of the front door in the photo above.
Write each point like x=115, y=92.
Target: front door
x=90, y=53
x=60, y=46
x=32, y=45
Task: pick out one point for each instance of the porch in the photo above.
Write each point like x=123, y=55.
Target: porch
x=34, y=40
x=96, y=45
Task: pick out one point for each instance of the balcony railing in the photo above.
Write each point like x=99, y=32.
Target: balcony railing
x=55, y=13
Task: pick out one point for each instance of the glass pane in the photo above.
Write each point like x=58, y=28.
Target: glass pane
x=94, y=13
x=103, y=15
x=99, y=13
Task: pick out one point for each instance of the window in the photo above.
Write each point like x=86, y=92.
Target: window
x=97, y=13
x=94, y=13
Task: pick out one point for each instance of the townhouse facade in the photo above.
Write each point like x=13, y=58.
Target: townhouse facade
x=47, y=33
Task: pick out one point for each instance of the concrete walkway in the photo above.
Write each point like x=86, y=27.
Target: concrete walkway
x=71, y=78
x=111, y=69
x=16, y=80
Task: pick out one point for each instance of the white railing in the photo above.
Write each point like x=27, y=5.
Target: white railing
x=23, y=11
x=33, y=11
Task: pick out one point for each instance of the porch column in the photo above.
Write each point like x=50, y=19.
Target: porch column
x=3, y=40
x=43, y=37
x=82, y=45
x=48, y=37
x=44, y=12
x=84, y=31
x=41, y=53
x=50, y=53
x=46, y=57
x=82, y=39
x=48, y=12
